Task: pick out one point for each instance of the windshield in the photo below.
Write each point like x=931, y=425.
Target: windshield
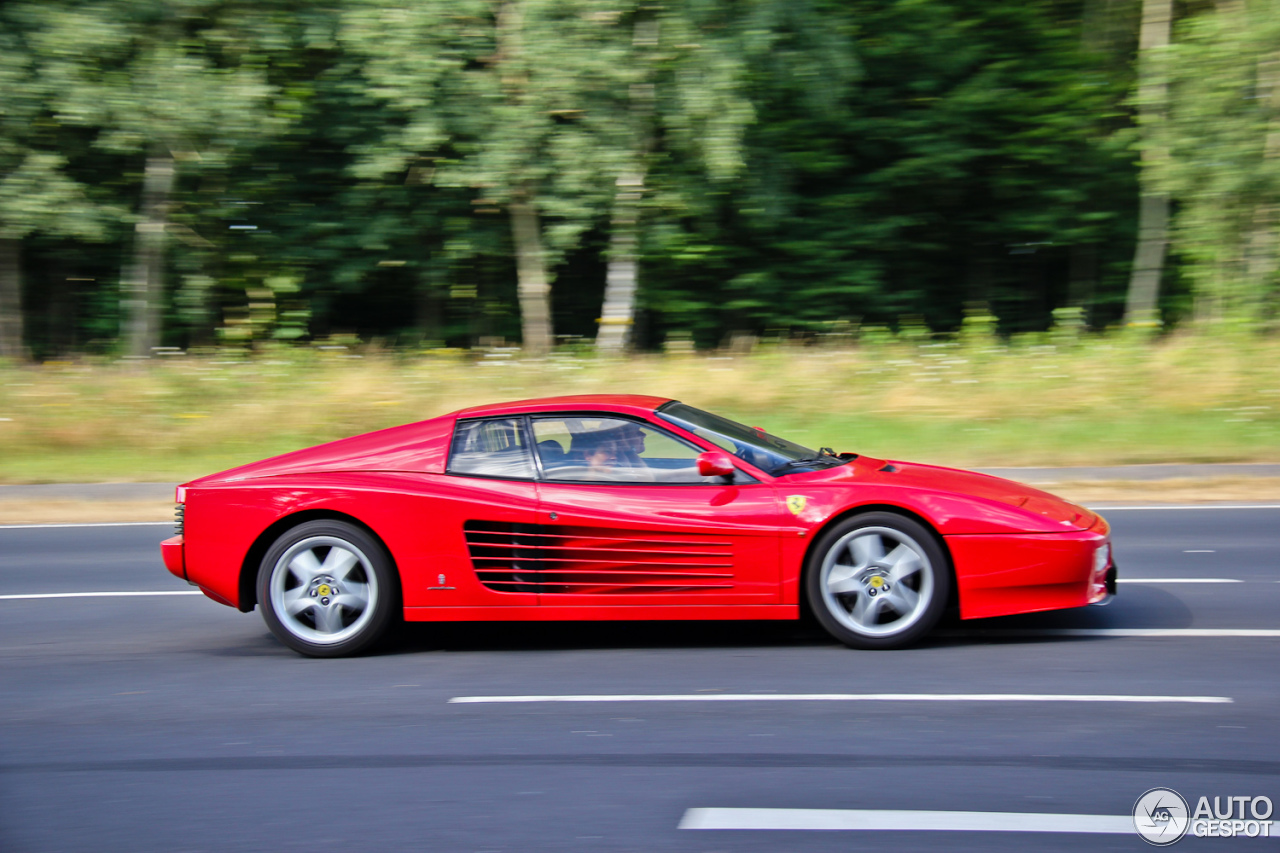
x=767, y=452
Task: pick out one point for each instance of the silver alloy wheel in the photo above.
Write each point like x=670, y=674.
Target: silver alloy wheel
x=876, y=581
x=323, y=590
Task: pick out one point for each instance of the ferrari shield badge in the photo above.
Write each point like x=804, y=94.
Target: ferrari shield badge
x=796, y=503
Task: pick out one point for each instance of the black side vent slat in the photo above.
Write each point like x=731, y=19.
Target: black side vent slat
x=559, y=559
x=889, y=468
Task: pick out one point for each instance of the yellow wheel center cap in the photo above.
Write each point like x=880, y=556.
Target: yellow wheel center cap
x=324, y=589
x=876, y=582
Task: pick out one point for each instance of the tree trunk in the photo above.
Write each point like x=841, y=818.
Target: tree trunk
x=11, y=298
x=430, y=307
x=1082, y=275
x=1153, y=213
x=533, y=280
x=533, y=287
x=618, y=313
x=143, y=301
x=1148, y=260
x=59, y=337
x=1263, y=242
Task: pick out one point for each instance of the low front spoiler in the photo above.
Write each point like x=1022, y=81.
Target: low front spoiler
x=1111, y=588
x=171, y=551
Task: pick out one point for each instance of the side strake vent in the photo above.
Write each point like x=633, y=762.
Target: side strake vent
x=557, y=559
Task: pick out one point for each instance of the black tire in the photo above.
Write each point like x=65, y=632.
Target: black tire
x=328, y=589
x=864, y=595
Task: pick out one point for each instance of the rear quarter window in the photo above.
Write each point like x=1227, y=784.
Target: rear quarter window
x=494, y=447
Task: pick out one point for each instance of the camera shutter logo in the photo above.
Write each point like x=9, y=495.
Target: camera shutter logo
x=1161, y=816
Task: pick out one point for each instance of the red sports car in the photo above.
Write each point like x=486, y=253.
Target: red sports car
x=621, y=507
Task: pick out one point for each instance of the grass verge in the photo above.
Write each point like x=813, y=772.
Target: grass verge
x=1035, y=401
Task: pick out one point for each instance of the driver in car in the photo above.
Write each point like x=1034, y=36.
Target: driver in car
x=614, y=454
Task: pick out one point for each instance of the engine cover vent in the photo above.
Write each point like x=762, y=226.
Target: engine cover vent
x=558, y=559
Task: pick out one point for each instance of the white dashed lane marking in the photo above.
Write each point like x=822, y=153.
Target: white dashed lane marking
x=1183, y=506
x=139, y=593
x=1169, y=633
x=843, y=697
x=898, y=820
x=1177, y=580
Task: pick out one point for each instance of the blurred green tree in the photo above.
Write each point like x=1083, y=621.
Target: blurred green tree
x=429, y=170
x=1222, y=164
x=175, y=82
x=909, y=158
x=678, y=92
x=292, y=205
x=480, y=96
x=550, y=111
x=36, y=193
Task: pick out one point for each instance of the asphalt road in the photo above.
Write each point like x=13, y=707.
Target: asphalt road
x=172, y=723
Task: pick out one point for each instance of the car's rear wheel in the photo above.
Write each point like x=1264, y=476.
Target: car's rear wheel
x=327, y=589
x=877, y=581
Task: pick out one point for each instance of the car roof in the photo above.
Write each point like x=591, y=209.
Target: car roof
x=635, y=404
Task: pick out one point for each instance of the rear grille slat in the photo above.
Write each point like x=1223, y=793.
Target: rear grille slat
x=558, y=560
x=510, y=557
x=552, y=548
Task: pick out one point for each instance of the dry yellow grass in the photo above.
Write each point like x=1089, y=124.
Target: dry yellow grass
x=1176, y=491
x=1040, y=400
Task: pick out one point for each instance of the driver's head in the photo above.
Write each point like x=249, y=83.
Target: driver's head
x=601, y=453
x=615, y=446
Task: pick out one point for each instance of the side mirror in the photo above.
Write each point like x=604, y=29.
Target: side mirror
x=715, y=463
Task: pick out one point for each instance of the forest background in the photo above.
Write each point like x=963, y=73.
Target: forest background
x=450, y=185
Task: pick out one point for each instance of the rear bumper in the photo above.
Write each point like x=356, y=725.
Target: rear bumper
x=174, y=559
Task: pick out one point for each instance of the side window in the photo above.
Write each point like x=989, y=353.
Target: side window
x=613, y=450
x=491, y=448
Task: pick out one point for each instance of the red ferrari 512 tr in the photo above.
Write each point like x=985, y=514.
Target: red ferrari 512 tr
x=621, y=507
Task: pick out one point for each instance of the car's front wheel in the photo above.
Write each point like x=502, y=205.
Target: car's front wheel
x=877, y=581
x=327, y=589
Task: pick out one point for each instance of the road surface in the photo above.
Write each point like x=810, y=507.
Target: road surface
x=171, y=723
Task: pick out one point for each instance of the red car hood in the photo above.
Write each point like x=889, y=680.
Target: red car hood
x=935, y=478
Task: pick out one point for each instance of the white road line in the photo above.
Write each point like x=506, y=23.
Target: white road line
x=1125, y=632
x=876, y=819
x=1185, y=506
x=88, y=524
x=1177, y=580
x=843, y=697
x=100, y=594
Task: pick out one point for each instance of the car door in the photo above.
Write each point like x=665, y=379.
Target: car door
x=624, y=518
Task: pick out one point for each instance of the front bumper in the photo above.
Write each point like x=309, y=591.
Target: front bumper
x=1004, y=574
